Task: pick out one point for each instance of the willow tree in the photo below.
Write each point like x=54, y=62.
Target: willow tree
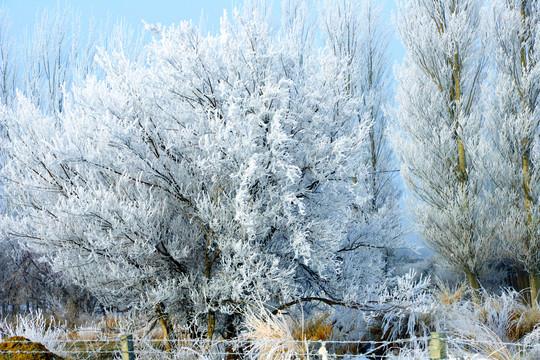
x=514, y=113
x=438, y=127
x=217, y=174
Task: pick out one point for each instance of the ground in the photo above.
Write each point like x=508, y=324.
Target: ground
x=20, y=348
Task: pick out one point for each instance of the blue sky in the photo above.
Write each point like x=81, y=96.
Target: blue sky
x=166, y=12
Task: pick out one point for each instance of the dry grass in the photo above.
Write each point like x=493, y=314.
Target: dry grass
x=109, y=323
x=271, y=335
x=485, y=342
x=317, y=328
x=449, y=295
x=526, y=322
x=497, y=328
x=86, y=334
x=10, y=350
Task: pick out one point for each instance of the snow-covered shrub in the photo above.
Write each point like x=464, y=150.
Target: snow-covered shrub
x=497, y=327
x=490, y=328
x=406, y=306
x=400, y=307
x=37, y=328
x=400, y=317
x=503, y=315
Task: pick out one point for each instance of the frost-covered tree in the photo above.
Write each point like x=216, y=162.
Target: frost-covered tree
x=55, y=56
x=40, y=64
x=438, y=129
x=225, y=171
x=48, y=57
x=514, y=113
x=8, y=65
x=354, y=31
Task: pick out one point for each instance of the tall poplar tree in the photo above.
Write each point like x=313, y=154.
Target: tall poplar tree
x=512, y=153
x=438, y=127
x=355, y=31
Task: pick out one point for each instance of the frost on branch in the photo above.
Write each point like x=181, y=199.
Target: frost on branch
x=438, y=130
x=225, y=170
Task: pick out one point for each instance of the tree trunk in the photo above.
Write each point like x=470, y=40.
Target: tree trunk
x=463, y=176
x=211, y=324
x=534, y=282
x=474, y=284
x=208, y=273
x=166, y=325
x=522, y=284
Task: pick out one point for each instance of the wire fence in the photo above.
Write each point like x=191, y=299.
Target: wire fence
x=437, y=346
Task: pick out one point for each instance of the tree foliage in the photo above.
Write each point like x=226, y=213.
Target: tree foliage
x=511, y=150
x=222, y=171
x=439, y=125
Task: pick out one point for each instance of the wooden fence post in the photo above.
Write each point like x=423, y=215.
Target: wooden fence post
x=322, y=351
x=127, y=347
x=437, y=346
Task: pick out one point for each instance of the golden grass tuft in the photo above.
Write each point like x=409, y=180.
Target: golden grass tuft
x=86, y=335
x=524, y=323
x=485, y=342
x=271, y=335
x=449, y=295
x=318, y=328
